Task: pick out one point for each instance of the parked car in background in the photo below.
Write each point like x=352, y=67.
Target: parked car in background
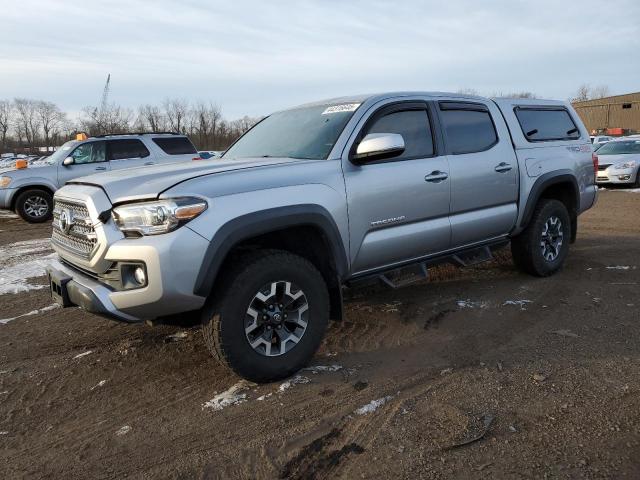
x=259, y=244
x=29, y=190
x=619, y=162
x=599, y=140
x=207, y=154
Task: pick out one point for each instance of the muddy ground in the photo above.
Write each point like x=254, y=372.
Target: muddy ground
x=544, y=375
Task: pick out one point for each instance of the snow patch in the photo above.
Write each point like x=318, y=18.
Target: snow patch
x=83, y=354
x=123, y=431
x=4, y=433
x=298, y=379
x=373, y=405
x=262, y=397
x=23, y=261
x=4, y=321
x=323, y=368
x=232, y=396
x=99, y=384
x=521, y=303
x=621, y=267
x=7, y=214
x=469, y=304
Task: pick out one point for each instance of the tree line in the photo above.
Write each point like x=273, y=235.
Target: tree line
x=26, y=125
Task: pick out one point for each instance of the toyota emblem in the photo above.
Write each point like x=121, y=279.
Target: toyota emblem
x=66, y=221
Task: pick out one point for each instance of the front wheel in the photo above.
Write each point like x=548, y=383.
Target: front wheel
x=543, y=246
x=35, y=205
x=270, y=317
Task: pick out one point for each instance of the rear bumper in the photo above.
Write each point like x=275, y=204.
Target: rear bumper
x=70, y=288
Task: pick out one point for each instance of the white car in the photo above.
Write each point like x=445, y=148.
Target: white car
x=599, y=140
x=619, y=162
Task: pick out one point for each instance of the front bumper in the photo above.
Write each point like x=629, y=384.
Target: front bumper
x=172, y=263
x=69, y=288
x=6, y=195
x=616, y=176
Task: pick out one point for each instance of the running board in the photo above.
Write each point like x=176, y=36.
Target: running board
x=403, y=276
x=472, y=257
x=416, y=271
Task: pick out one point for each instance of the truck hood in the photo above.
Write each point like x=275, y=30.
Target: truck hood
x=150, y=181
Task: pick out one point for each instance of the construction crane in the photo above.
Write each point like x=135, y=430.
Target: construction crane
x=99, y=112
x=105, y=95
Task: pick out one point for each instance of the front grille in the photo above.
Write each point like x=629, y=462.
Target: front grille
x=72, y=229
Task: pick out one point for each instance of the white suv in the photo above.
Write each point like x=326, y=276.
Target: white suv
x=28, y=189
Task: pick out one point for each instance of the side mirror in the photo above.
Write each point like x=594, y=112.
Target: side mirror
x=379, y=145
x=68, y=161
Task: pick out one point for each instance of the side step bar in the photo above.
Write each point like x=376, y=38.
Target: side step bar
x=405, y=275
x=414, y=272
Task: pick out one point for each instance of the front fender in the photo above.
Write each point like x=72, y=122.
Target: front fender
x=265, y=221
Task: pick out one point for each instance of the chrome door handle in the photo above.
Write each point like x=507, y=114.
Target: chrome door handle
x=150, y=163
x=101, y=168
x=503, y=167
x=436, y=176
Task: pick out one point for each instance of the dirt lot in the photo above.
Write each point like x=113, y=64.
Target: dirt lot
x=546, y=371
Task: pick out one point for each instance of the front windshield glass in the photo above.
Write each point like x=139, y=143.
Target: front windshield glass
x=61, y=153
x=620, y=148
x=307, y=133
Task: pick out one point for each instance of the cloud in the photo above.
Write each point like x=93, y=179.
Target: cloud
x=252, y=57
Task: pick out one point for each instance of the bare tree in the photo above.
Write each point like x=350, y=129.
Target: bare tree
x=585, y=92
x=582, y=94
x=113, y=119
x=467, y=91
x=176, y=112
x=27, y=124
x=6, y=119
x=600, y=91
x=51, y=119
x=151, y=118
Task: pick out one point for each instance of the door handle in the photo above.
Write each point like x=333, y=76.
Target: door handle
x=150, y=163
x=101, y=168
x=436, y=176
x=503, y=167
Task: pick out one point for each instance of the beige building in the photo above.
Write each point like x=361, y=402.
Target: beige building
x=616, y=115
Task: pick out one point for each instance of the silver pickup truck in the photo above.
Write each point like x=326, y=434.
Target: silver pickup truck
x=29, y=190
x=260, y=244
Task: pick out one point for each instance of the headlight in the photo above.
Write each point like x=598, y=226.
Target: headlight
x=4, y=182
x=625, y=165
x=153, y=218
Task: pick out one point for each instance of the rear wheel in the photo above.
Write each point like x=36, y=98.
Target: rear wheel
x=542, y=247
x=35, y=205
x=637, y=184
x=270, y=317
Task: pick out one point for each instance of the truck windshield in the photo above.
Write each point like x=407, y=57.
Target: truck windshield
x=61, y=153
x=307, y=133
x=620, y=148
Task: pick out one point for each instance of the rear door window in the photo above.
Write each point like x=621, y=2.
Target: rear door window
x=127, y=148
x=546, y=124
x=175, y=145
x=469, y=127
x=414, y=127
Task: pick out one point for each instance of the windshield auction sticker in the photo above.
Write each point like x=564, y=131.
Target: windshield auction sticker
x=346, y=107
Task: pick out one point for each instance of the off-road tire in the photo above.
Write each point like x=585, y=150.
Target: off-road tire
x=223, y=317
x=526, y=247
x=22, y=207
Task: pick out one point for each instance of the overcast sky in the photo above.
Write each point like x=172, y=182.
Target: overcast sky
x=252, y=56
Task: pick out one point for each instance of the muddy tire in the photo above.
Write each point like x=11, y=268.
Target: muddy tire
x=269, y=317
x=542, y=247
x=34, y=205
